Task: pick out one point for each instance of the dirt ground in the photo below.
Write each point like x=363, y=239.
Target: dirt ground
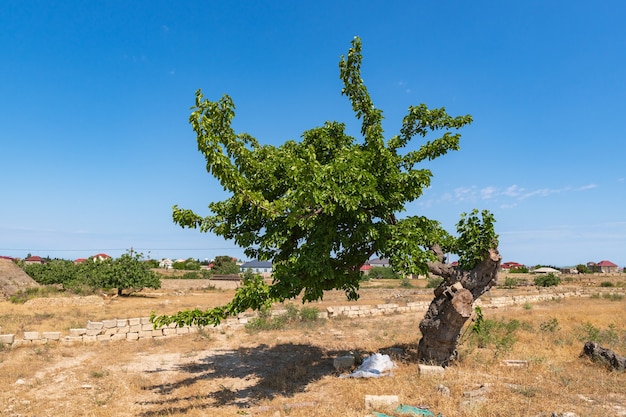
x=289, y=371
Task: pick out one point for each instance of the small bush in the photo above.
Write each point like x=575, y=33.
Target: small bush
x=606, y=284
x=434, y=282
x=613, y=297
x=405, y=283
x=24, y=295
x=497, y=333
x=309, y=314
x=511, y=282
x=550, y=326
x=547, y=280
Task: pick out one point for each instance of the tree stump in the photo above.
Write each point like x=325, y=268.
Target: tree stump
x=598, y=353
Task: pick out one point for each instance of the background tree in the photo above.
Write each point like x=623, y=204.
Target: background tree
x=225, y=265
x=319, y=208
x=128, y=274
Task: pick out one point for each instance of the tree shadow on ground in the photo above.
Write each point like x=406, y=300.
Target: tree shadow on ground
x=241, y=377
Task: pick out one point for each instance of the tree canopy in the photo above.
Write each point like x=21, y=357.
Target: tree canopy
x=319, y=208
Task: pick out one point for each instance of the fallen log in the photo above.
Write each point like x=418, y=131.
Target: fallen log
x=598, y=353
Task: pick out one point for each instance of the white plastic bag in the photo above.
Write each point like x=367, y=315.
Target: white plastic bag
x=374, y=366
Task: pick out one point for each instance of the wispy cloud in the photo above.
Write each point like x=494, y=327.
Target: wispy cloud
x=507, y=196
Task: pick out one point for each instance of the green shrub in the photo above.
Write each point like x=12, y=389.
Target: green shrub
x=499, y=334
x=24, y=295
x=547, y=280
x=550, y=326
x=510, y=282
x=382, y=272
x=606, y=284
x=434, y=282
x=309, y=313
x=613, y=297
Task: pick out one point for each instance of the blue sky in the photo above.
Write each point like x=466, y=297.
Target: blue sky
x=95, y=95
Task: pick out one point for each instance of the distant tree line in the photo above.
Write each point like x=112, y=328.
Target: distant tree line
x=128, y=274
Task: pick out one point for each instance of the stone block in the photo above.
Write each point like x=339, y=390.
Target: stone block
x=134, y=328
x=90, y=338
x=92, y=332
x=103, y=337
x=144, y=334
x=157, y=332
x=182, y=330
x=381, y=401
x=118, y=336
x=132, y=336
x=109, y=324
x=122, y=322
x=70, y=340
x=147, y=326
x=133, y=322
x=7, y=339
x=51, y=335
x=169, y=332
x=94, y=325
x=342, y=363
x=145, y=320
x=110, y=331
x=77, y=332
x=123, y=330
x=430, y=369
x=31, y=336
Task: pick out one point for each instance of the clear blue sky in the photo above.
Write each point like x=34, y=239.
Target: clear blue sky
x=95, y=97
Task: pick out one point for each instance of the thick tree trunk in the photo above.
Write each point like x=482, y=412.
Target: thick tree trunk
x=453, y=305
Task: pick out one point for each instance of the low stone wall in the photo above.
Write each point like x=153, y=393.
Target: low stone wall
x=140, y=328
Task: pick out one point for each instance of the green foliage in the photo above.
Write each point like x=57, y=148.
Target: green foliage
x=433, y=282
x=26, y=294
x=611, y=336
x=510, y=282
x=127, y=272
x=57, y=271
x=124, y=273
x=499, y=334
x=519, y=270
x=583, y=269
x=547, y=280
x=550, y=326
x=320, y=207
x=291, y=317
x=225, y=265
x=382, y=272
x=477, y=236
x=405, y=283
x=607, y=284
x=189, y=264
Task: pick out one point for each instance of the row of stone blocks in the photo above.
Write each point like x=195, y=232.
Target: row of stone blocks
x=141, y=328
x=109, y=330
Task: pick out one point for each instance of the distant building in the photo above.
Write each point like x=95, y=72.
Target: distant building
x=34, y=260
x=606, y=267
x=256, y=266
x=507, y=266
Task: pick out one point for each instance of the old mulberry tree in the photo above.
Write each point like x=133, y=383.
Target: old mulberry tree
x=320, y=207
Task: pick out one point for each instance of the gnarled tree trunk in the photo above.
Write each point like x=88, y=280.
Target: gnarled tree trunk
x=453, y=305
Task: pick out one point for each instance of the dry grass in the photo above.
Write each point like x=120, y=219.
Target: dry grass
x=289, y=372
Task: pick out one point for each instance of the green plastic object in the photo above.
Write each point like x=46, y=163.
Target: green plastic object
x=408, y=410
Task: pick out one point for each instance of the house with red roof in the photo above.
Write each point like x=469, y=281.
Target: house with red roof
x=507, y=266
x=607, y=267
x=100, y=257
x=34, y=260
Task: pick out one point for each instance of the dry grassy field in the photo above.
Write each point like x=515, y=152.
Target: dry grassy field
x=289, y=371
